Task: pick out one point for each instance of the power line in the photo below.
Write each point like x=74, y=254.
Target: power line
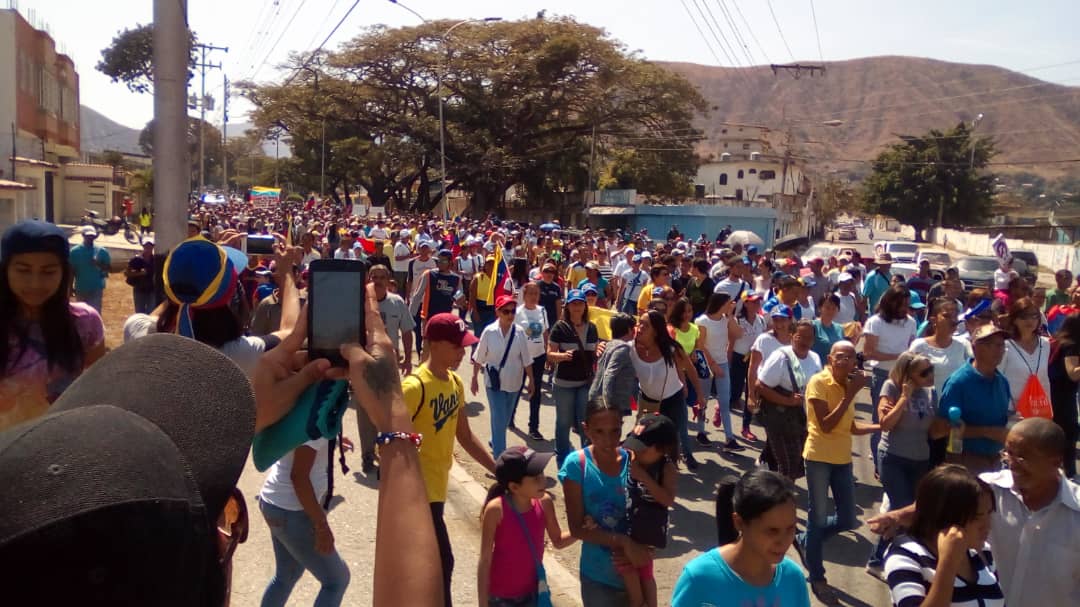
x=701, y=33
x=324, y=22
x=751, y=30
x=735, y=31
x=778, y=30
x=325, y=40
x=284, y=30
x=263, y=35
x=719, y=41
x=817, y=34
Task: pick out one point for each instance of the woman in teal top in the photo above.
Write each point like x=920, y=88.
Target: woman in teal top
x=755, y=522
x=826, y=332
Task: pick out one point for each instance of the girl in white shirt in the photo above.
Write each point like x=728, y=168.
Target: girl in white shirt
x=533, y=320
x=751, y=325
x=718, y=329
x=888, y=334
x=1027, y=354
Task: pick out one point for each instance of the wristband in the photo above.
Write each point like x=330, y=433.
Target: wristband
x=384, y=438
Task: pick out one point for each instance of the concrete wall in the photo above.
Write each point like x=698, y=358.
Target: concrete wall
x=693, y=220
x=1052, y=257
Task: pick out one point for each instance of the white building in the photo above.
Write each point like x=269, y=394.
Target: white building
x=750, y=168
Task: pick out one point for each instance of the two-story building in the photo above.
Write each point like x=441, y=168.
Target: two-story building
x=40, y=146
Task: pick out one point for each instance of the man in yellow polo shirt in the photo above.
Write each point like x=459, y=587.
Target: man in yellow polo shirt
x=659, y=276
x=830, y=414
x=435, y=395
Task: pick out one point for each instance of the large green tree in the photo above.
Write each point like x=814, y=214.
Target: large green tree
x=130, y=58
x=213, y=149
x=914, y=178
x=524, y=103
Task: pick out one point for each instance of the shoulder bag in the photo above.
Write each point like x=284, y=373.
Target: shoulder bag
x=784, y=416
x=492, y=372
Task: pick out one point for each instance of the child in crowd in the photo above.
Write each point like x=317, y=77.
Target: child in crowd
x=654, y=447
x=516, y=513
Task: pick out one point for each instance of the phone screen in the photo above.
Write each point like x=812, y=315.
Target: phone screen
x=260, y=245
x=337, y=311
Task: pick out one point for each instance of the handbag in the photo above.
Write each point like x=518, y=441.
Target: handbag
x=783, y=417
x=543, y=593
x=492, y=372
x=1033, y=400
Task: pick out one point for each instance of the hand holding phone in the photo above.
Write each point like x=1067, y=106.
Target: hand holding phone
x=336, y=300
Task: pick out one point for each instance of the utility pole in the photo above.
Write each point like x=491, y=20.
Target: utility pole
x=592, y=165
x=13, y=154
x=203, y=66
x=797, y=69
x=225, y=138
x=172, y=169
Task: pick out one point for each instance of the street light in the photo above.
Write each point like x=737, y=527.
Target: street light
x=974, y=124
x=438, y=91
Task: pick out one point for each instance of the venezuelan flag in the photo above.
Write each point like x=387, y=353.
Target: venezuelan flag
x=500, y=273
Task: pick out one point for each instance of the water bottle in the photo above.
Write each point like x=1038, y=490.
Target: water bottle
x=956, y=434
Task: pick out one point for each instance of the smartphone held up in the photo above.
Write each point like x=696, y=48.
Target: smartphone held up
x=336, y=291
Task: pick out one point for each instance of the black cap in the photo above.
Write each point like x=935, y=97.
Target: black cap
x=115, y=493
x=652, y=430
x=518, y=462
x=33, y=236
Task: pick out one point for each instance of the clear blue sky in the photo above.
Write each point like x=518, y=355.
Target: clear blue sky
x=1014, y=35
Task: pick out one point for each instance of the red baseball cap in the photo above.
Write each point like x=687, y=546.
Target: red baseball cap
x=449, y=327
x=504, y=299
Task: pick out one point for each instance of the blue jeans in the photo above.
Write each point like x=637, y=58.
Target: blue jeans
x=145, y=301
x=534, y=401
x=597, y=594
x=675, y=408
x=293, y=537
x=721, y=388
x=877, y=380
x=899, y=477
x=92, y=298
x=569, y=413
x=820, y=525
x=739, y=370
x=500, y=406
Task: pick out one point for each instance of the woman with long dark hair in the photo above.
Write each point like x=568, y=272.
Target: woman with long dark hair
x=888, y=333
x=46, y=340
x=752, y=324
x=1064, y=375
x=755, y=521
x=718, y=330
x=661, y=364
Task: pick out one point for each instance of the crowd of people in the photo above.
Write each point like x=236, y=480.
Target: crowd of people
x=973, y=399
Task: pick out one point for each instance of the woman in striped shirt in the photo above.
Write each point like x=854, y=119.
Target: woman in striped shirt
x=944, y=559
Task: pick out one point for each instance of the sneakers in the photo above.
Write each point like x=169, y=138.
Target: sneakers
x=691, y=463
x=716, y=421
x=733, y=445
x=748, y=435
x=703, y=440
x=535, y=435
x=824, y=593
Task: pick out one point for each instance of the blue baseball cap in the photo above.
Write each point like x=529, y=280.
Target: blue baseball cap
x=916, y=302
x=636, y=259
x=751, y=249
x=575, y=295
x=589, y=288
x=782, y=311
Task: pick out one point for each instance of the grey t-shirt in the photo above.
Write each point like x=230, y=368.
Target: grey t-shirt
x=395, y=315
x=908, y=438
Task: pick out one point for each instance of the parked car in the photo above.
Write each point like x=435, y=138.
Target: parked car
x=846, y=234
x=978, y=272
x=823, y=251
x=907, y=270
x=902, y=252
x=939, y=260
x=1032, y=262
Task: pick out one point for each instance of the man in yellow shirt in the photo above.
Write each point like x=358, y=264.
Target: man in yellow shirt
x=830, y=414
x=435, y=395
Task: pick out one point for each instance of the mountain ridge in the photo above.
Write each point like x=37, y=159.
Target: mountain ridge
x=880, y=97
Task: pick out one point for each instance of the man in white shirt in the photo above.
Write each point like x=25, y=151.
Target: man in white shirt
x=1035, y=521
x=621, y=267
x=379, y=231
x=307, y=241
x=400, y=262
x=346, y=249
x=630, y=285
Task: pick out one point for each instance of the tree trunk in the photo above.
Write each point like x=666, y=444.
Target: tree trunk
x=487, y=199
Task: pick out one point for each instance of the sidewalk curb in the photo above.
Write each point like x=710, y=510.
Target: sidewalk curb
x=563, y=583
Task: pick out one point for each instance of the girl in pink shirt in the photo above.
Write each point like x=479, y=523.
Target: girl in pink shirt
x=516, y=513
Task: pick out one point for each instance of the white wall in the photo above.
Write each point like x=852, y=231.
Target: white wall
x=751, y=184
x=1052, y=257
